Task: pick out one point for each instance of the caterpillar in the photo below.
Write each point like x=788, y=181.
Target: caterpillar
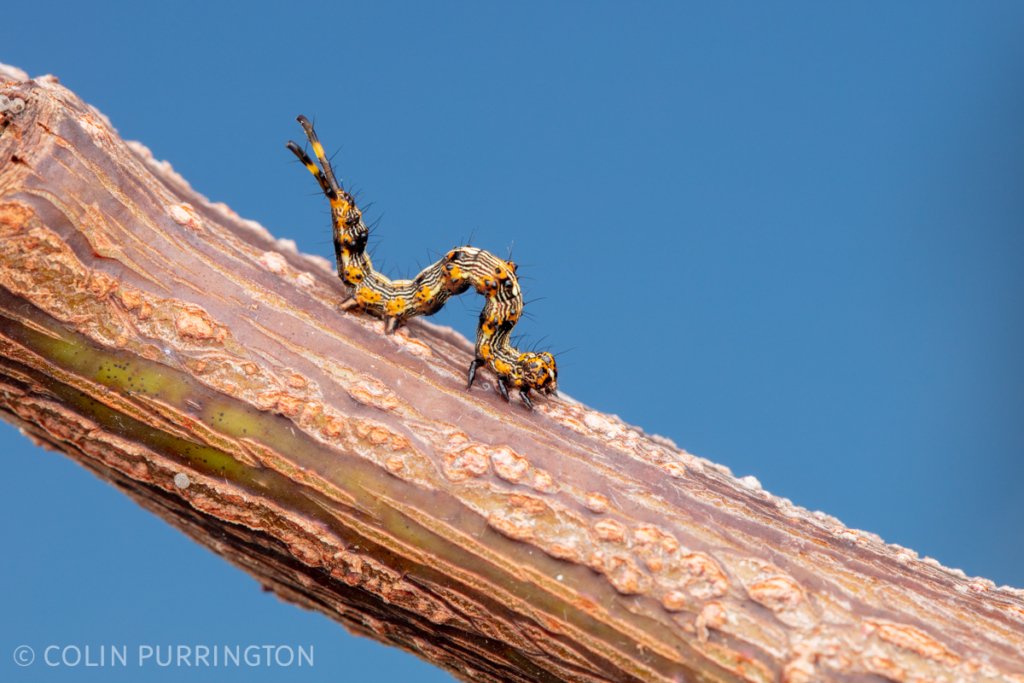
x=396, y=301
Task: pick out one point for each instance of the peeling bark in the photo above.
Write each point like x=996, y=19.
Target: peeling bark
x=182, y=353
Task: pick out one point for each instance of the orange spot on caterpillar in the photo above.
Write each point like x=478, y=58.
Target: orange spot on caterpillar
x=395, y=307
x=365, y=295
x=354, y=274
x=424, y=294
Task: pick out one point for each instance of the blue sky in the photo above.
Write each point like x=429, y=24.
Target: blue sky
x=788, y=238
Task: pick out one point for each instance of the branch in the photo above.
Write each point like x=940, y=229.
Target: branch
x=203, y=367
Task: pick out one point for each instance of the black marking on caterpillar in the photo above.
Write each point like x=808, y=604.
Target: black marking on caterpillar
x=396, y=301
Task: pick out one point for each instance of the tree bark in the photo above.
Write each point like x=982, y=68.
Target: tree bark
x=182, y=353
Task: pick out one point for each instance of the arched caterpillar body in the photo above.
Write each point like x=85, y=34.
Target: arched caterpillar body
x=395, y=301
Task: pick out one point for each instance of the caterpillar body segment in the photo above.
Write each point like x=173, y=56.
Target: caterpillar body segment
x=395, y=301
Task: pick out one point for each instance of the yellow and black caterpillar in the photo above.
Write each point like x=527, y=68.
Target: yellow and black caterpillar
x=395, y=301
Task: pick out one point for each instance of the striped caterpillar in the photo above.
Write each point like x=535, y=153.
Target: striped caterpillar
x=395, y=301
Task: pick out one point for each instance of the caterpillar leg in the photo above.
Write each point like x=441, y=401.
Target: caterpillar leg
x=472, y=371
x=390, y=325
x=525, y=395
x=349, y=303
x=503, y=389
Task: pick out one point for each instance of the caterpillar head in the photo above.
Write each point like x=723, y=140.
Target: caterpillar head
x=539, y=372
